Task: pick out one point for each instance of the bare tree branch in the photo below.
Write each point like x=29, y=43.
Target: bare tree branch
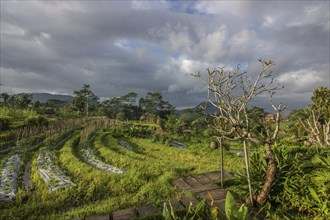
x=230, y=92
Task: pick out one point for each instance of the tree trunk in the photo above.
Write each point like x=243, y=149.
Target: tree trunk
x=271, y=171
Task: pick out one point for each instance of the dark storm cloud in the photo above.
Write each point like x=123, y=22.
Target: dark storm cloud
x=141, y=46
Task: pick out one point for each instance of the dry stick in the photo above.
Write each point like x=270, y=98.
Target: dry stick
x=248, y=171
x=222, y=157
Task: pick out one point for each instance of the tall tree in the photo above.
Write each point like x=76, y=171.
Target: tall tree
x=5, y=96
x=154, y=104
x=21, y=100
x=230, y=92
x=84, y=99
x=126, y=104
x=56, y=103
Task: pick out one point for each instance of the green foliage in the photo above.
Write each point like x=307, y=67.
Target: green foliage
x=120, y=116
x=153, y=103
x=256, y=116
x=321, y=103
x=37, y=121
x=21, y=100
x=4, y=96
x=300, y=173
x=4, y=124
x=84, y=99
x=171, y=124
x=17, y=114
x=202, y=211
x=149, y=169
x=176, y=125
x=232, y=213
x=199, y=211
x=313, y=120
x=125, y=104
x=30, y=142
x=135, y=130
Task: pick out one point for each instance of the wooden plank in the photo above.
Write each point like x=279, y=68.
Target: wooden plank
x=205, y=188
x=204, y=195
x=147, y=210
x=203, y=179
x=181, y=184
x=124, y=214
x=220, y=204
x=98, y=217
x=217, y=194
x=187, y=200
x=176, y=205
x=215, y=175
x=193, y=182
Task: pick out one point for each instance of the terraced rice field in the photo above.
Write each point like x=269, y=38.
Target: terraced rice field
x=9, y=175
x=65, y=182
x=51, y=173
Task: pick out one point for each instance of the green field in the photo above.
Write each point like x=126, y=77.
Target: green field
x=149, y=169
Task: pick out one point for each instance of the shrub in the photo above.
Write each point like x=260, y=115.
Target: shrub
x=37, y=121
x=4, y=124
x=297, y=189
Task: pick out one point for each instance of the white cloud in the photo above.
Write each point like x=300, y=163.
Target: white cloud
x=173, y=88
x=186, y=66
x=45, y=35
x=220, y=7
x=327, y=26
x=70, y=6
x=149, y=5
x=121, y=43
x=175, y=37
x=268, y=21
x=243, y=41
x=146, y=45
x=177, y=74
x=315, y=14
x=212, y=47
x=301, y=80
x=11, y=29
x=313, y=9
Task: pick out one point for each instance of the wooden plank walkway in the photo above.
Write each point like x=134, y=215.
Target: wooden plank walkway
x=201, y=185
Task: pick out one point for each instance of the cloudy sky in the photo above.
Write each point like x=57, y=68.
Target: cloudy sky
x=141, y=46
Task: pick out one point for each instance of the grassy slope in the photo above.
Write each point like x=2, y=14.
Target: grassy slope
x=149, y=170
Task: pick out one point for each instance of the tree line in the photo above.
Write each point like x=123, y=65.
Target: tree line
x=86, y=103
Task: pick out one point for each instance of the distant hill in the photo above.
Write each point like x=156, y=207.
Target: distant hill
x=43, y=97
x=206, y=107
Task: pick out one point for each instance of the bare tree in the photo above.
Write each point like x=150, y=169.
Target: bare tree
x=317, y=124
x=318, y=132
x=230, y=92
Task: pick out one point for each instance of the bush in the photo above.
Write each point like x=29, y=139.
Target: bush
x=120, y=116
x=297, y=190
x=37, y=121
x=4, y=124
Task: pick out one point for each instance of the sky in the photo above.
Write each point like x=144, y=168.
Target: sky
x=142, y=46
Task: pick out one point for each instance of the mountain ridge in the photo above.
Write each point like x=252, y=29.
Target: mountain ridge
x=43, y=97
